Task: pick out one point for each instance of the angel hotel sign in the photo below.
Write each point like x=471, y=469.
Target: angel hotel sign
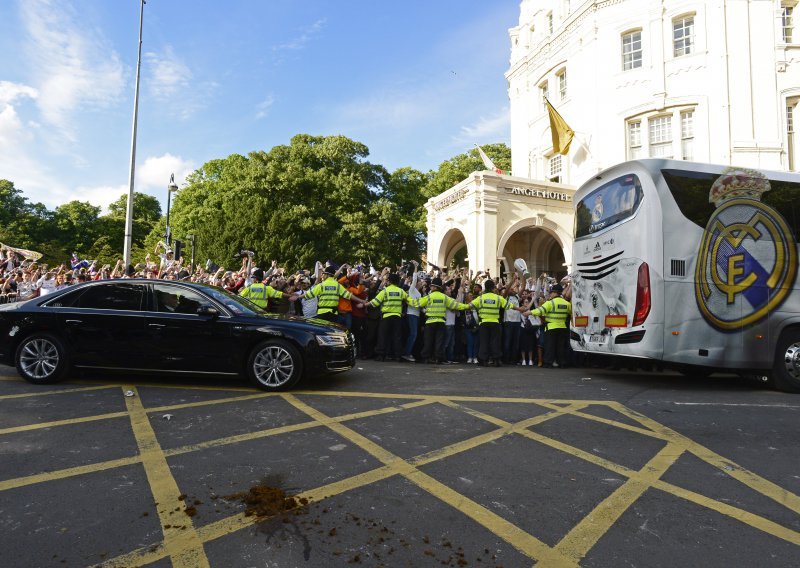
x=542, y=193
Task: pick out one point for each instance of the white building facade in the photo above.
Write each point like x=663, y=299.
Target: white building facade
x=708, y=81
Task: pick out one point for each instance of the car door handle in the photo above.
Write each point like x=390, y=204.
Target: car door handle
x=156, y=325
x=73, y=322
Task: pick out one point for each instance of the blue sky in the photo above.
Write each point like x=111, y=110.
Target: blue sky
x=416, y=81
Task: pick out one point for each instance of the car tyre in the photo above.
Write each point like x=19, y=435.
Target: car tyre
x=275, y=365
x=41, y=359
x=786, y=370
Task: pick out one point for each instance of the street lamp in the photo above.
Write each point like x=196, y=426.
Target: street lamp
x=171, y=188
x=128, y=244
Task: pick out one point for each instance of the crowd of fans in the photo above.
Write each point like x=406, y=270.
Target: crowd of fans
x=522, y=341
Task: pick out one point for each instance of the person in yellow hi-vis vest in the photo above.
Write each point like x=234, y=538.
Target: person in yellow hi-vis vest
x=436, y=305
x=260, y=293
x=390, y=332
x=556, y=311
x=489, y=304
x=328, y=293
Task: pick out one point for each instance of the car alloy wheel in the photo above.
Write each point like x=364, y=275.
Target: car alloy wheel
x=41, y=359
x=275, y=365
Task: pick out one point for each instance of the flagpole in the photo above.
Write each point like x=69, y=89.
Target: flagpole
x=129, y=211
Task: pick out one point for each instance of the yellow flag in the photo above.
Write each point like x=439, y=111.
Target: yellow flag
x=561, y=132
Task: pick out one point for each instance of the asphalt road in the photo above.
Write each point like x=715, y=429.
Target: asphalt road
x=401, y=465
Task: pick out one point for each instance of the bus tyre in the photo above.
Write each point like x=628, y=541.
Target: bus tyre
x=275, y=365
x=786, y=371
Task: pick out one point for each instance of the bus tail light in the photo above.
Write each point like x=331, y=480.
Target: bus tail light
x=642, y=295
x=581, y=321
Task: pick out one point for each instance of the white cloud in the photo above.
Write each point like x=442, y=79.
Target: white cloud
x=262, y=108
x=74, y=67
x=302, y=40
x=494, y=128
x=12, y=131
x=169, y=75
x=101, y=195
x=153, y=175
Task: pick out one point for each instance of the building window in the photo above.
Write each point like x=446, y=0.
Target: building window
x=687, y=135
x=683, y=36
x=661, y=137
x=631, y=50
x=555, y=165
x=787, y=19
x=562, y=84
x=635, y=140
x=550, y=22
x=545, y=94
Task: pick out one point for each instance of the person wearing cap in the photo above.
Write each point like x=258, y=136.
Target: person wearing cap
x=436, y=305
x=490, y=333
x=260, y=293
x=328, y=293
x=390, y=332
x=556, y=311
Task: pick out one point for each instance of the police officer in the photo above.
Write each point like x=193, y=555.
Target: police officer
x=328, y=293
x=260, y=293
x=436, y=305
x=556, y=311
x=390, y=332
x=488, y=305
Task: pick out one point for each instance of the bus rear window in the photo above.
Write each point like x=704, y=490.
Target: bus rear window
x=607, y=205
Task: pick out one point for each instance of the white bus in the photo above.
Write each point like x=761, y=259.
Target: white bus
x=691, y=264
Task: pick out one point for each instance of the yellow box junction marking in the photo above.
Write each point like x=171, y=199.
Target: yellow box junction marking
x=185, y=546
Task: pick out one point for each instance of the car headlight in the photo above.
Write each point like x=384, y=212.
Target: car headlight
x=332, y=340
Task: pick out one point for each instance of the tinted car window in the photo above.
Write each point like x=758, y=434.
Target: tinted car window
x=66, y=300
x=607, y=205
x=178, y=300
x=239, y=306
x=118, y=296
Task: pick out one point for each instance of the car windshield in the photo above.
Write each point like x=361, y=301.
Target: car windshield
x=608, y=205
x=236, y=304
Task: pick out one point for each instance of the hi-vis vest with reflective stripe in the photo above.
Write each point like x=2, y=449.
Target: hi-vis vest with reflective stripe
x=489, y=306
x=260, y=294
x=391, y=299
x=436, y=305
x=556, y=313
x=328, y=292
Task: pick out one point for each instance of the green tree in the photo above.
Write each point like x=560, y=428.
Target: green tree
x=145, y=207
x=459, y=167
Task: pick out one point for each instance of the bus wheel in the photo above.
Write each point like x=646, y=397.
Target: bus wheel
x=786, y=372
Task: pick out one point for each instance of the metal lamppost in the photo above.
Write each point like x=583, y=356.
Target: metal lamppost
x=129, y=212
x=171, y=188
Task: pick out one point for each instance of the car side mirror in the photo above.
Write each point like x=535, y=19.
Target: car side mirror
x=208, y=311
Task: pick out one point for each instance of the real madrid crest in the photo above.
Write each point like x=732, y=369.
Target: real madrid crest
x=747, y=262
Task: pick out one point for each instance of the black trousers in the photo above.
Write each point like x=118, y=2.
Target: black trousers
x=556, y=342
x=434, y=341
x=390, y=335
x=491, y=336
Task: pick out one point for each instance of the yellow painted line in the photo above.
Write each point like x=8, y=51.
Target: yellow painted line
x=746, y=517
x=200, y=403
x=65, y=473
x=101, y=466
x=228, y=525
x=65, y=422
x=582, y=538
x=180, y=538
x=767, y=488
x=46, y=393
x=521, y=540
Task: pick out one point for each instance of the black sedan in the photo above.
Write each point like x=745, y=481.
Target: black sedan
x=158, y=326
